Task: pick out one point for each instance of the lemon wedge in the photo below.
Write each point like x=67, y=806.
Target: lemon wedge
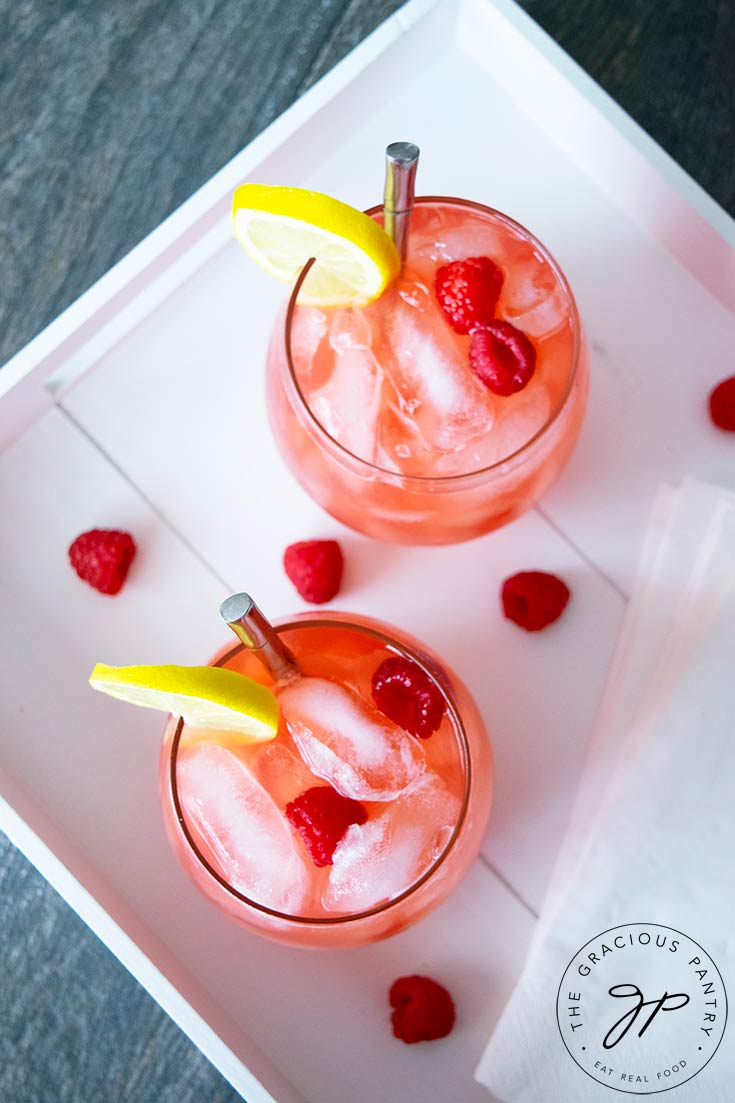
x=206, y=696
x=283, y=227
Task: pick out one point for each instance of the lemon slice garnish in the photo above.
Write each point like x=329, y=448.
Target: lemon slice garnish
x=206, y=696
x=283, y=227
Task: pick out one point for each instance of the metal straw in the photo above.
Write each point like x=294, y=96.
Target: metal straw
x=257, y=633
x=401, y=160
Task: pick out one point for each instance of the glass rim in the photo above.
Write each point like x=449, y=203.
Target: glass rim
x=446, y=480
x=337, y=920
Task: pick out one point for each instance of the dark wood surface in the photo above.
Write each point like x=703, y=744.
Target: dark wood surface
x=112, y=112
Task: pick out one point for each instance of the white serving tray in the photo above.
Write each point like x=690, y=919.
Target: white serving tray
x=141, y=407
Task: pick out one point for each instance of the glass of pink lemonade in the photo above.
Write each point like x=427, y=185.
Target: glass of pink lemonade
x=380, y=414
x=412, y=807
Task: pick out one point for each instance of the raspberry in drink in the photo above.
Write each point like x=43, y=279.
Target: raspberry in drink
x=446, y=407
x=364, y=811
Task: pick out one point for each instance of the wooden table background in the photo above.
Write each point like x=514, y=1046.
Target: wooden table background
x=112, y=112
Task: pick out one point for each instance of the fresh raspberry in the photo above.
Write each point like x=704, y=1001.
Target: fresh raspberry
x=315, y=568
x=405, y=694
x=102, y=557
x=321, y=816
x=534, y=599
x=502, y=357
x=722, y=405
x=422, y=1009
x=468, y=292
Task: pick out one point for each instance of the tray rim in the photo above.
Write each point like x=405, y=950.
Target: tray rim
x=32, y=361
x=136, y=961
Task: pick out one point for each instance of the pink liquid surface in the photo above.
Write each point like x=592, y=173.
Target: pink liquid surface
x=426, y=800
x=380, y=416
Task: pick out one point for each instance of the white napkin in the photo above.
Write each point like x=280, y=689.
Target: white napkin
x=650, y=848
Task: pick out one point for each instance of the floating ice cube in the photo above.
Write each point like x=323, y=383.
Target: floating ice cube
x=457, y=243
x=348, y=403
x=387, y=461
x=244, y=833
x=429, y=807
x=370, y=866
x=281, y=771
x=444, y=236
x=349, y=328
x=415, y=294
x=345, y=740
x=519, y=418
x=430, y=372
x=377, y=860
x=308, y=329
x=401, y=446
x=532, y=298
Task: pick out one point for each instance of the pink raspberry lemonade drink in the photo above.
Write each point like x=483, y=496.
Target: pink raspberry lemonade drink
x=449, y=405
x=363, y=812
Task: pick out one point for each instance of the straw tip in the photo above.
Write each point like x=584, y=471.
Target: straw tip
x=403, y=153
x=235, y=607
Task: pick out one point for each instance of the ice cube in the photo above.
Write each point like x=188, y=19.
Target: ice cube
x=400, y=444
x=431, y=375
x=377, y=860
x=457, y=243
x=519, y=418
x=370, y=866
x=532, y=298
x=281, y=771
x=244, y=833
x=452, y=234
x=349, y=328
x=415, y=294
x=308, y=329
x=347, y=405
x=345, y=740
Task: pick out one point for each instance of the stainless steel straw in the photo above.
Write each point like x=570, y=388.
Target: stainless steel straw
x=257, y=633
x=401, y=160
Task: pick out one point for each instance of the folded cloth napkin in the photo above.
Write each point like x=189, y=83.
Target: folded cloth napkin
x=625, y=986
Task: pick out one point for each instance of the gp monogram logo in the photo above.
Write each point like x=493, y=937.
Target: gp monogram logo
x=642, y=1008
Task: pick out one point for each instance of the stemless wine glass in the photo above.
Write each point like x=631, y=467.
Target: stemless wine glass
x=395, y=466
x=380, y=884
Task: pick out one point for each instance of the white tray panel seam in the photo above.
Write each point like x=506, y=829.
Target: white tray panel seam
x=585, y=558
x=155, y=509
x=533, y=912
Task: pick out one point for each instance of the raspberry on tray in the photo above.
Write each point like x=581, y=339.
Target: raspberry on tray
x=722, y=405
x=102, y=557
x=534, y=599
x=315, y=567
x=422, y=1009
